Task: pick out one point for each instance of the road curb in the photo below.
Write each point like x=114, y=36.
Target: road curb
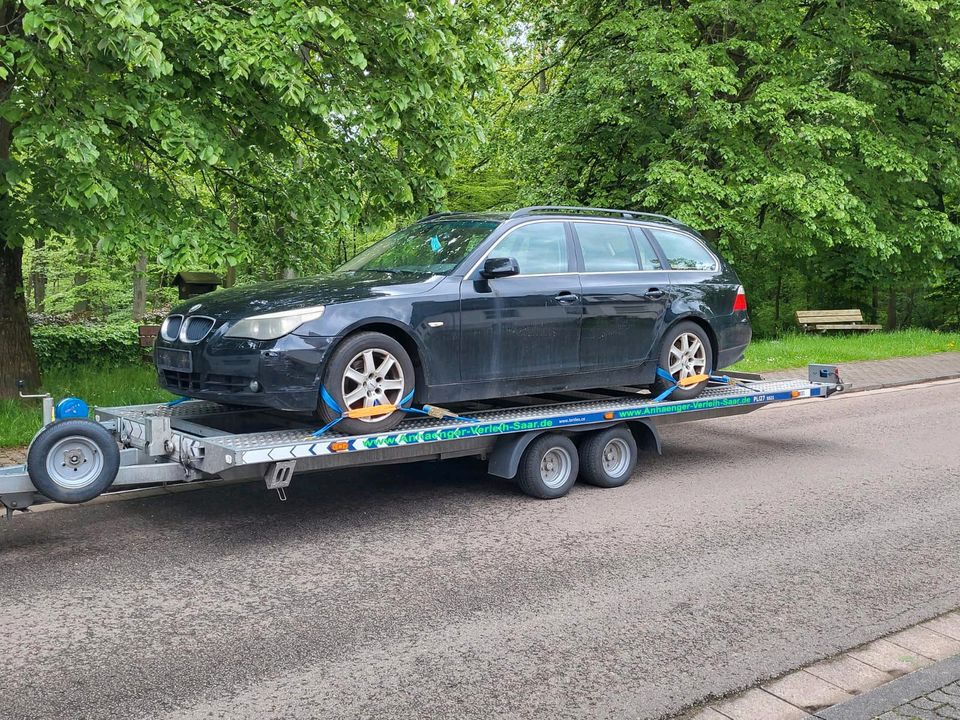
x=882, y=386
x=916, y=660
x=895, y=693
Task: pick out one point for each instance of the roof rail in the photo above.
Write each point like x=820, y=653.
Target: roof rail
x=629, y=214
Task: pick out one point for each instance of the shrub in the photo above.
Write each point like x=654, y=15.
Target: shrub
x=87, y=343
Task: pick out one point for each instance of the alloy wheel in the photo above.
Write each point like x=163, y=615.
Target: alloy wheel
x=688, y=356
x=373, y=377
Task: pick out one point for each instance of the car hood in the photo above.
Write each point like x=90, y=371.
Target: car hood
x=239, y=302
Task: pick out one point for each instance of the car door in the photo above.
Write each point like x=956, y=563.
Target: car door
x=528, y=324
x=625, y=293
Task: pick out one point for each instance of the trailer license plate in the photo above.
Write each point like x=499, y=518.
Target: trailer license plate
x=170, y=359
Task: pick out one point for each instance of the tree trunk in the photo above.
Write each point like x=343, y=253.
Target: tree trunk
x=874, y=305
x=776, y=303
x=79, y=280
x=140, y=287
x=38, y=277
x=19, y=358
x=230, y=278
x=892, y=310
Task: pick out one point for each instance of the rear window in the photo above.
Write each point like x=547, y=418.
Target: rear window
x=683, y=251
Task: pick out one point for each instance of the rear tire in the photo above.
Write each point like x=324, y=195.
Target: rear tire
x=686, y=350
x=549, y=467
x=608, y=457
x=366, y=369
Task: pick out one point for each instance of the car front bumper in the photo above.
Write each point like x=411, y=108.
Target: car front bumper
x=286, y=371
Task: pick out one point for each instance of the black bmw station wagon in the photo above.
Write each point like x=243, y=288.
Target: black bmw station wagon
x=468, y=306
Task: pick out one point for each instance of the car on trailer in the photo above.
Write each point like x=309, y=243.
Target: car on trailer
x=468, y=306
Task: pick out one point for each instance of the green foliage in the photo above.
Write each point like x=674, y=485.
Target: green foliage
x=239, y=132
x=802, y=138
x=76, y=343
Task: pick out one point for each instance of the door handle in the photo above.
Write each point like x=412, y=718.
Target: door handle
x=654, y=293
x=565, y=298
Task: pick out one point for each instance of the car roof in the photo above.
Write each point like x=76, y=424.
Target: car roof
x=567, y=212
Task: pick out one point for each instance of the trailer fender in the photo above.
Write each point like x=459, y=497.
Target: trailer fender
x=504, y=460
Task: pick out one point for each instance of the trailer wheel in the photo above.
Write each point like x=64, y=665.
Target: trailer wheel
x=549, y=467
x=72, y=461
x=608, y=457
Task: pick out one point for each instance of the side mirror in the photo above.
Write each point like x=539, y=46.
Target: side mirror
x=498, y=267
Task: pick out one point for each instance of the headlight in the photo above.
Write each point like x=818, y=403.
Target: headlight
x=274, y=325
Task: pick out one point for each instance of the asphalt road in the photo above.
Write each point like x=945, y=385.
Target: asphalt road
x=755, y=545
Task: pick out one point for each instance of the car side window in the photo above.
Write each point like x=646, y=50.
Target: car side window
x=539, y=248
x=606, y=247
x=684, y=252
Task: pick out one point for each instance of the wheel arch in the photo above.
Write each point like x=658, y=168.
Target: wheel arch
x=401, y=333
x=704, y=325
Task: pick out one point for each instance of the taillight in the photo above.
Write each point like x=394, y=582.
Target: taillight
x=740, y=303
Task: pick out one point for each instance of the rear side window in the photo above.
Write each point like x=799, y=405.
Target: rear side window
x=606, y=247
x=539, y=248
x=684, y=252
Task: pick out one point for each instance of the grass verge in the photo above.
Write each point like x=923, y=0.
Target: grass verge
x=797, y=350
x=98, y=385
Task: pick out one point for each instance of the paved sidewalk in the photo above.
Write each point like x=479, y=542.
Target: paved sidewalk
x=872, y=374
x=913, y=674
x=929, y=694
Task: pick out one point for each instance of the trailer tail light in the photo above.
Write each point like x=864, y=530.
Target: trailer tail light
x=740, y=303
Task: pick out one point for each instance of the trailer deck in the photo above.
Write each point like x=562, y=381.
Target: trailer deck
x=194, y=440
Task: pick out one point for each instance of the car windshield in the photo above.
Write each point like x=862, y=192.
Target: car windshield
x=426, y=247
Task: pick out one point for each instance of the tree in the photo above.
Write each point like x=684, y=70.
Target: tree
x=784, y=129
x=140, y=124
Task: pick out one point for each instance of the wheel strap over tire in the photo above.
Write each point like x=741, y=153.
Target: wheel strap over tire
x=373, y=410
x=681, y=383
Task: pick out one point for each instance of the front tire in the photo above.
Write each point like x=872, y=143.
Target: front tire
x=366, y=370
x=686, y=351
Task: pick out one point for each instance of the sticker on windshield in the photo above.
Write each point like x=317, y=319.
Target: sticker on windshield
x=435, y=244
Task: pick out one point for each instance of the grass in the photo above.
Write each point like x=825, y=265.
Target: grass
x=797, y=350
x=104, y=386
x=133, y=384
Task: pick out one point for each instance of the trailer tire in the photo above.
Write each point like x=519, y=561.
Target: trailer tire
x=73, y=461
x=608, y=457
x=549, y=467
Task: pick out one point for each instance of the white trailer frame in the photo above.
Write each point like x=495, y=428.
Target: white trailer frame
x=197, y=440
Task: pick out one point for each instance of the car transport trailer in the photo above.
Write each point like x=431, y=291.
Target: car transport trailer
x=546, y=442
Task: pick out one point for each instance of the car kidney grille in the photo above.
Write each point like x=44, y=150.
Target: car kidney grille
x=196, y=328
x=171, y=327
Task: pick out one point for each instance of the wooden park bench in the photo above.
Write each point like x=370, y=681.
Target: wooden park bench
x=823, y=320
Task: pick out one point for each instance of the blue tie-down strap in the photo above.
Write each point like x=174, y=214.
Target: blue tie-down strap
x=439, y=413
x=664, y=375
x=332, y=404
x=177, y=401
x=329, y=401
